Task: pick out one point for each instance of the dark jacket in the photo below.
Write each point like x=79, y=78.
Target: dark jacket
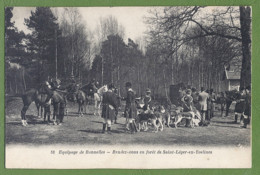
x=240, y=103
x=110, y=105
x=130, y=107
x=247, y=104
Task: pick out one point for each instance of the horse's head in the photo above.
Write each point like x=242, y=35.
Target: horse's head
x=102, y=89
x=44, y=87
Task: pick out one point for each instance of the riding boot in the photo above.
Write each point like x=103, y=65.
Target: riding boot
x=241, y=119
x=236, y=116
x=104, y=128
x=132, y=128
x=109, y=130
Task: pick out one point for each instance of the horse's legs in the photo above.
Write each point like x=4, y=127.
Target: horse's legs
x=37, y=104
x=61, y=111
x=98, y=107
x=85, y=106
x=26, y=103
x=42, y=108
x=23, y=114
x=79, y=109
x=96, y=104
x=45, y=113
x=55, y=113
x=228, y=104
x=65, y=106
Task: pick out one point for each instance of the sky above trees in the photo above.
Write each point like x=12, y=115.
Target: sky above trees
x=131, y=18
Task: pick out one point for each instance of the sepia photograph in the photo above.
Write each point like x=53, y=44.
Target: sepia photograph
x=128, y=87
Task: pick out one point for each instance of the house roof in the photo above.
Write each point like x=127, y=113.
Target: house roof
x=233, y=70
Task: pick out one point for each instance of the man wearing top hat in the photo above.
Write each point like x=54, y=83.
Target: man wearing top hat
x=130, y=107
x=109, y=108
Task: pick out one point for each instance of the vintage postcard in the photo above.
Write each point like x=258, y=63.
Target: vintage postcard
x=128, y=87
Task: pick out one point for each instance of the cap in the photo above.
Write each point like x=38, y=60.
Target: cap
x=128, y=84
x=148, y=90
x=110, y=86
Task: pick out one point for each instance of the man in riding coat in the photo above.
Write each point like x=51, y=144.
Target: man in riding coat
x=109, y=108
x=247, y=111
x=130, y=107
x=211, y=104
x=240, y=104
x=94, y=85
x=58, y=103
x=118, y=102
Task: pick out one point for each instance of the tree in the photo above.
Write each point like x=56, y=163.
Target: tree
x=13, y=38
x=76, y=45
x=245, y=22
x=173, y=25
x=43, y=25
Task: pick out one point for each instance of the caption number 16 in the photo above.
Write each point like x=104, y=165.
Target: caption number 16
x=52, y=152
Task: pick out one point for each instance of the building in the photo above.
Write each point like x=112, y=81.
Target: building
x=231, y=76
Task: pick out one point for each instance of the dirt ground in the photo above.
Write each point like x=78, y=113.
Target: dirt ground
x=87, y=130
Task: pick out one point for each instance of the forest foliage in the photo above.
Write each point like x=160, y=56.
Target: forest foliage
x=183, y=44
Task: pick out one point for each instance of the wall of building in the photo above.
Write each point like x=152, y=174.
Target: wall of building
x=234, y=84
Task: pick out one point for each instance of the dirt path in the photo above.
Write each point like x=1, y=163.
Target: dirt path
x=87, y=131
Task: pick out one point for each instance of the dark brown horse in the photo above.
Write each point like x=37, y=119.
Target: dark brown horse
x=39, y=96
x=33, y=95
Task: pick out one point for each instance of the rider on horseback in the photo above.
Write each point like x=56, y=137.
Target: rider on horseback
x=94, y=85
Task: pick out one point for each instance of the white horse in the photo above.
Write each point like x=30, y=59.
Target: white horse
x=98, y=98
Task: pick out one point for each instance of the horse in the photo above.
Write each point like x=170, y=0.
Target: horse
x=32, y=95
x=98, y=98
x=82, y=100
x=39, y=96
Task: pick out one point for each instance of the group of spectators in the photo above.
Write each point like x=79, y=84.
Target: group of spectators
x=204, y=101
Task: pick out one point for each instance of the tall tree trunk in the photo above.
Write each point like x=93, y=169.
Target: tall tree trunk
x=102, y=70
x=24, y=83
x=245, y=22
x=112, y=64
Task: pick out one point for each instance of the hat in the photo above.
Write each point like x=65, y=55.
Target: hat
x=111, y=86
x=148, y=90
x=128, y=84
x=188, y=91
x=193, y=89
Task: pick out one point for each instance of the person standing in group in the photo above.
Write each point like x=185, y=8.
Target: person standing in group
x=211, y=104
x=118, y=100
x=194, y=95
x=109, y=108
x=203, y=97
x=240, y=105
x=130, y=108
x=247, y=111
x=222, y=101
x=188, y=105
